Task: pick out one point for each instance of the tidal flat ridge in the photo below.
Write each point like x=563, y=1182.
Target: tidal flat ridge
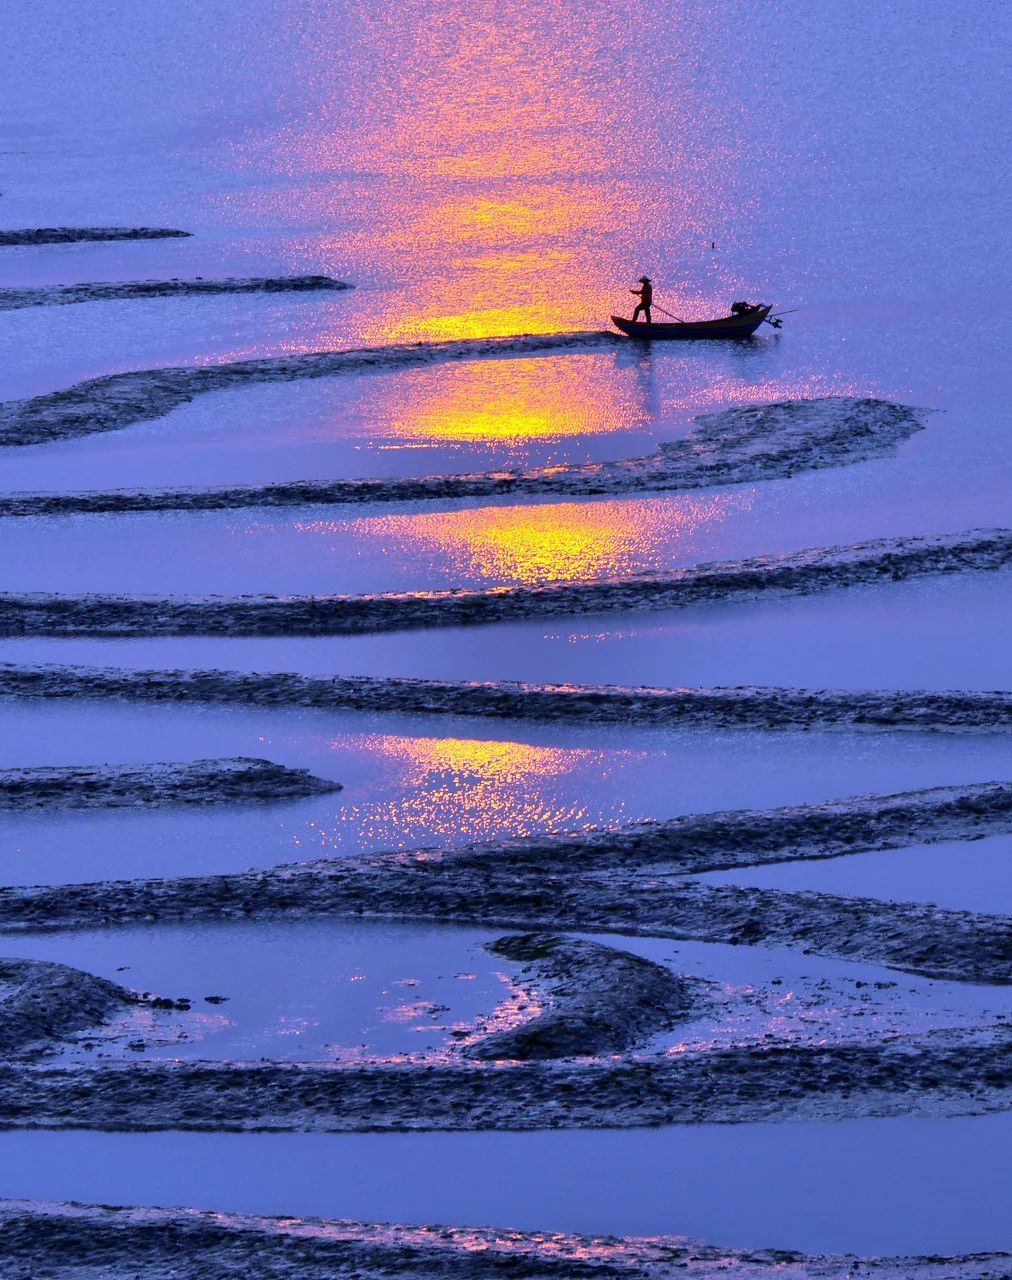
x=946, y=1074
x=241, y=780
x=188, y=1243
x=746, y=707
x=633, y=882
x=126, y=290
x=735, y=446
x=792, y=574
x=77, y=235
x=122, y=399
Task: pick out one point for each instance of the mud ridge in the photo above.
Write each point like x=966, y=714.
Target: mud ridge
x=733, y=447
x=122, y=399
x=942, y=1073
x=73, y=235
x=633, y=899
x=590, y=999
x=42, y=1002
x=99, y=291
x=227, y=781
x=191, y=1244
x=750, y=707
x=733, y=838
x=794, y=573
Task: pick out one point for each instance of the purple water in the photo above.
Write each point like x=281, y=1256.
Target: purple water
x=489, y=168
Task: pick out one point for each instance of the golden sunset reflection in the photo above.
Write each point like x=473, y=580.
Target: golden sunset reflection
x=456, y=790
x=516, y=270
x=510, y=402
x=533, y=544
x=529, y=170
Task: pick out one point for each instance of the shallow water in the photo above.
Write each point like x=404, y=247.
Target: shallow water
x=462, y=417
x=411, y=782
x=314, y=991
x=491, y=168
x=321, y=550
x=347, y=991
x=900, y=1186
x=936, y=633
x=957, y=876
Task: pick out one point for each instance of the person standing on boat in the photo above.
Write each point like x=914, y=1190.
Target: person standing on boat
x=646, y=296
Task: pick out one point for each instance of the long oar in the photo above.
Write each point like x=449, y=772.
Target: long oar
x=668, y=313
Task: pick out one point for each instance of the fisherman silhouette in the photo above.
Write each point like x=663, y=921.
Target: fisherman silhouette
x=646, y=296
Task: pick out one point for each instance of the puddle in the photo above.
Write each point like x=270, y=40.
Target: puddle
x=318, y=550
x=769, y=996
x=312, y=992
x=347, y=991
x=306, y=553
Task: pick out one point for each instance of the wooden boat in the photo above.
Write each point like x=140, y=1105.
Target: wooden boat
x=736, y=326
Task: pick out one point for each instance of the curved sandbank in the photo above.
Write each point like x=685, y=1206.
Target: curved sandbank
x=631, y=880
x=736, y=446
x=747, y=707
x=190, y=1244
x=590, y=999
x=122, y=399
x=73, y=235
x=99, y=291
x=42, y=1002
x=240, y=780
x=794, y=573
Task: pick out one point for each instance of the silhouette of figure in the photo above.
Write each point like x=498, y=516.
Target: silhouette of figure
x=646, y=296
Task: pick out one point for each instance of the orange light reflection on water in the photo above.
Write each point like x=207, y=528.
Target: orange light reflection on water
x=488, y=167
x=455, y=790
x=564, y=542
x=511, y=402
x=500, y=166
x=520, y=264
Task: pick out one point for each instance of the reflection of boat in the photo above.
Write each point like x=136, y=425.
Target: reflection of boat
x=741, y=325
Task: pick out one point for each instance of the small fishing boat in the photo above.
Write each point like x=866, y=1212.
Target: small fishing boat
x=741, y=324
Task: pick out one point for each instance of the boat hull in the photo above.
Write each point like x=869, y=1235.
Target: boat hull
x=727, y=327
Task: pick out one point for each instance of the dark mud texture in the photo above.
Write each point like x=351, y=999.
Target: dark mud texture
x=734, y=838
x=793, y=573
x=747, y=707
x=75, y=1241
x=63, y=295
x=633, y=880
x=945, y=1073
x=41, y=1003
x=122, y=399
x=590, y=1000
x=916, y=937
x=239, y=780
x=736, y=446
x=74, y=235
